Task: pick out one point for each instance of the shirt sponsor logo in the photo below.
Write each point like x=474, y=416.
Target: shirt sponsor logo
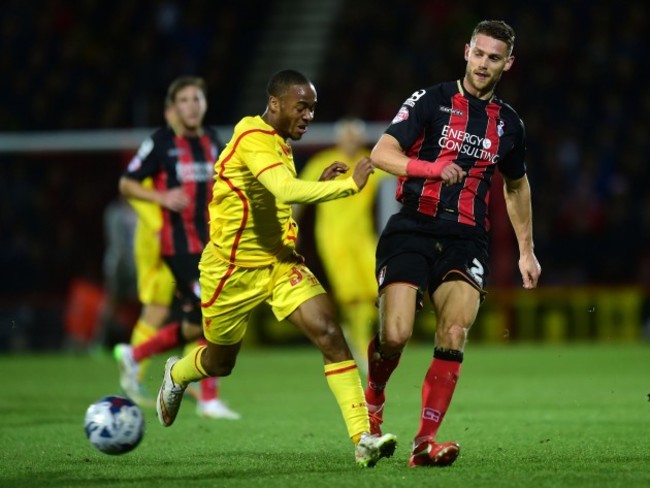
x=452, y=111
x=466, y=143
x=193, y=172
x=401, y=116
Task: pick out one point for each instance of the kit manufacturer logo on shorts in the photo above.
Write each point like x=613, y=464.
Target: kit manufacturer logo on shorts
x=381, y=276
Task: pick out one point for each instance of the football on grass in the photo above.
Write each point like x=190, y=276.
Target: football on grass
x=114, y=425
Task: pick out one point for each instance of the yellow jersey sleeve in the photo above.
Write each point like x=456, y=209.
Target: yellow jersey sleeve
x=289, y=189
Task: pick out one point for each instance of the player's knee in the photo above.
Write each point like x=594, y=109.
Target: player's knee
x=395, y=341
x=451, y=335
x=395, y=335
x=219, y=368
x=328, y=334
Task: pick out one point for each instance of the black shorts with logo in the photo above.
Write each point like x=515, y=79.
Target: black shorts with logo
x=424, y=251
x=185, y=268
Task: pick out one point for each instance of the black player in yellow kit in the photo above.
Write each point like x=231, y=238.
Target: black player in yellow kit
x=251, y=259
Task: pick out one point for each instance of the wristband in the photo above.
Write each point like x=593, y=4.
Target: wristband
x=417, y=168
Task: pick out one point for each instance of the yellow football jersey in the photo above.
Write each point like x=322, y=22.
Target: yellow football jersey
x=345, y=230
x=255, y=184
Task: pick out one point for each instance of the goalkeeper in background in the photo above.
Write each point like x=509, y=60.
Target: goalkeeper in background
x=346, y=237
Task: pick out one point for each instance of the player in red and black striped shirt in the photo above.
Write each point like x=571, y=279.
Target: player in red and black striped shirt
x=180, y=161
x=445, y=143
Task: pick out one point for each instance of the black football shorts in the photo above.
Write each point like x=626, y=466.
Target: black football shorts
x=185, y=268
x=424, y=252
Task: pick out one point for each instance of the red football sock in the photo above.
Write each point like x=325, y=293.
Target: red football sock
x=164, y=340
x=379, y=370
x=437, y=391
x=209, y=388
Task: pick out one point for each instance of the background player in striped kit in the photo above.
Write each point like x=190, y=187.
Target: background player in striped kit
x=445, y=144
x=169, y=184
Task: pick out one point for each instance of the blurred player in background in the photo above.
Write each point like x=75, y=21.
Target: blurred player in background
x=346, y=238
x=251, y=259
x=169, y=184
x=445, y=144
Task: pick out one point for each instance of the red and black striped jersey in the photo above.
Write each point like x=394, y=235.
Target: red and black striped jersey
x=445, y=123
x=188, y=162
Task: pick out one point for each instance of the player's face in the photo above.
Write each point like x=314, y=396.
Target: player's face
x=295, y=110
x=190, y=106
x=487, y=58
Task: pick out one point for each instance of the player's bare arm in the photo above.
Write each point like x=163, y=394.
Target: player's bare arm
x=389, y=156
x=174, y=199
x=517, y=196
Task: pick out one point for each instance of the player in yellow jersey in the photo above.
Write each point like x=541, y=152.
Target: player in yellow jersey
x=251, y=259
x=156, y=288
x=346, y=238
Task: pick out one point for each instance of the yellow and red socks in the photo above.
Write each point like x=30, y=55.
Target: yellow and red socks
x=164, y=340
x=344, y=381
x=380, y=368
x=142, y=332
x=437, y=390
x=189, y=368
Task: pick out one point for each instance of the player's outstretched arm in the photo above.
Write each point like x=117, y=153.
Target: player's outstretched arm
x=518, y=203
x=289, y=189
x=389, y=156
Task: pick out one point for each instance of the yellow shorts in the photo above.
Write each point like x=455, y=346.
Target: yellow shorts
x=155, y=280
x=229, y=293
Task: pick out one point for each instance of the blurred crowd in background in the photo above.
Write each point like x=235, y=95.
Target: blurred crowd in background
x=577, y=83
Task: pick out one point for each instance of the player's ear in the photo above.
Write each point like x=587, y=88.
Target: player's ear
x=467, y=48
x=509, y=61
x=274, y=104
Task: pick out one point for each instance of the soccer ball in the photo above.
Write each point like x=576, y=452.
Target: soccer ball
x=114, y=425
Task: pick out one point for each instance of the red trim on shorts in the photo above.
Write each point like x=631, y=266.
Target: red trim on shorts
x=400, y=283
x=222, y=283
x=269, y=167
x=341, y=370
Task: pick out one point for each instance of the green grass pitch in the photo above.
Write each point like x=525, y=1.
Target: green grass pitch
x=525, y=415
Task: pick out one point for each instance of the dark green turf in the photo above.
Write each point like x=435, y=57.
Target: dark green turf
x=574, y=415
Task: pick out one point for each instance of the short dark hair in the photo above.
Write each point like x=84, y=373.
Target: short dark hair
x=181, y=82
x=496, y=29
x=282, y=80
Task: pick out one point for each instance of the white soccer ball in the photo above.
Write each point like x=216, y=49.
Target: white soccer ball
x=114, y=425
